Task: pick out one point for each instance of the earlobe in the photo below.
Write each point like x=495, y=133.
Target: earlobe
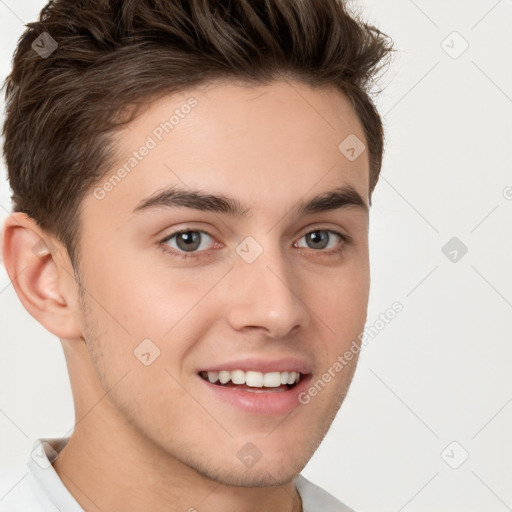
x=36, y=277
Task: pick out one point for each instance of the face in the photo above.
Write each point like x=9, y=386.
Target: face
x=180, y=290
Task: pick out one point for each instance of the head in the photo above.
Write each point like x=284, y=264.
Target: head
x=191, y=188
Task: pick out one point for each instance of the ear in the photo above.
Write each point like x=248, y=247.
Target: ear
x=42, y=275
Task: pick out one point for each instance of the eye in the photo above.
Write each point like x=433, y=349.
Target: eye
x=320, y=239
x=187, y=241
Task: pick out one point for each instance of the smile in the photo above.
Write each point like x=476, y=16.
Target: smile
x=253, y=380
x=263, y=394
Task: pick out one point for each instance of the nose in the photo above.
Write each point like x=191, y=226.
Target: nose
x=266, y=295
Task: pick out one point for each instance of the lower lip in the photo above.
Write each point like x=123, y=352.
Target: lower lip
x=270, y=403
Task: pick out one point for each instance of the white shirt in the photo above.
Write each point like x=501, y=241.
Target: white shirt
x=38, y=487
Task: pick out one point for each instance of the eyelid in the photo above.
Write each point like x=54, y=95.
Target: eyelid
x=336, y=229
x=186, y=230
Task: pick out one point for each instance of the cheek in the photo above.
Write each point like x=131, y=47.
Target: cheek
x=145, y=310
x=342, y=303
x=143, y=298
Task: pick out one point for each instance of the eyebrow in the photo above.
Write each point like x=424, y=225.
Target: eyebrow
x=340, y=198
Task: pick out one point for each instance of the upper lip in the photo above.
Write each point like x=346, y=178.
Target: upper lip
x=288, y=364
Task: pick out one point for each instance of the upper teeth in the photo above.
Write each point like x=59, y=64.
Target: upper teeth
x=254, y=379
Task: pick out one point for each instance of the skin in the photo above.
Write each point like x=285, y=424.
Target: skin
x=145, y=438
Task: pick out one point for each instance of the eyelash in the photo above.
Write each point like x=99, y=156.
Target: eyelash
x=345, y=240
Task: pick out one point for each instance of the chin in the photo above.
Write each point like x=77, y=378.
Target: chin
x=263, y=473
x=267, y=476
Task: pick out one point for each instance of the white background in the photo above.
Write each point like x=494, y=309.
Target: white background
x=441, y=370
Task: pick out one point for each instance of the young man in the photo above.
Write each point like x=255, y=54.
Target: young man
x=191, y=188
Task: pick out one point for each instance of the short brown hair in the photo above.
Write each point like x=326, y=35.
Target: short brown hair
x=115, y=55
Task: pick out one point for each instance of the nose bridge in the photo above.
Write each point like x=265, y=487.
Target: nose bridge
x=264, y=289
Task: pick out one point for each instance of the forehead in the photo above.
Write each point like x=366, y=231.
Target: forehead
x=268, y=145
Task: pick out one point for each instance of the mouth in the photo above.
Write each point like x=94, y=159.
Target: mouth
x=268, y=394
x=253, y=381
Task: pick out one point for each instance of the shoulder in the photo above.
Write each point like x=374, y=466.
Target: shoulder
x=315, y=499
